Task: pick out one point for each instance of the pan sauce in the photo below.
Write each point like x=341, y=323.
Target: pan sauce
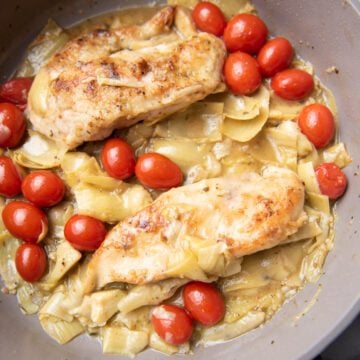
x=266, y=280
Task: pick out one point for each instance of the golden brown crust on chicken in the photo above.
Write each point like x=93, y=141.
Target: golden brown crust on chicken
x=245, y=213
x=111, y=79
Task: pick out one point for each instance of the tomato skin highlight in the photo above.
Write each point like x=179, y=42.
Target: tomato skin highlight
x=317, y=122
x=12, y=125
x=85, y=233
x=292, y=84
x=242, y=73
x=276, y=55
x=25, y=221
x=10, y=179
x=246, y=33
x=209, y=18
x=156, y=171
x=331, y=179
x=43, y=188
x=172, y=324
x=118, y=159
x=204, y=302
x=30, y=262
x=16, y=90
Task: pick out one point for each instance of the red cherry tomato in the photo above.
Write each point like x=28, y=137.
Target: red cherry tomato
x=118, y=159
x=204, y=302
x=317, y=122
x=274, y=56
x=10, y=179
x=12, y=125
x=43, y=188
x=16, y=90
x=242, y=73
x=158, y=172
x=245, y=32
x=172, y=324
x=292, y=84
x=208, y=17
x=85, y=233
x=30, y=261
x=332, y=181
x=25, y=221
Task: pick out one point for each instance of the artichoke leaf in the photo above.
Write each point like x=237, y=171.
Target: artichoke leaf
x=96, y=309
x=229, y=8
x=110, y=206
x=65, y=258
x=306, y=173
x=239, y=107
x=337, y=154
x=38, y=152
x=243, y=131
x=201, y=121
x=50, y=39
x=120, y=340
x=60, y=330
x=223, y=331
x=149, y=294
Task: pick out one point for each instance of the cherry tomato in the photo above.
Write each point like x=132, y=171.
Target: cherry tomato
x=332, y=181
x=245, y=32
x=118, y=159
x=16, y=90
x=12, y=125
x=30, y=262
x=172, y=324
x=21, y=107
x=274, y=56
x=204, y=302
x=292, y=84
x=10, y=179
x=317, y=122
x=43, y=188
x=85, y=233
x=208, y=17
x=25, y=221
x=242, y=73
x=158, y=172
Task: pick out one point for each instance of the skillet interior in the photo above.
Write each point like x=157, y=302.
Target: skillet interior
x=323, y=32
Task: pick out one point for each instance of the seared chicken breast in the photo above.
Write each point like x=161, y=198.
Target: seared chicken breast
x=112, y=78
x=242, y=213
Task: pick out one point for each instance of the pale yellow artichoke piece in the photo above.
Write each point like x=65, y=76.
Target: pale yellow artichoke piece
x=239, y=107
x=223, y=331
x=60, y=330
x=244, y=131
x=65, y=258
x=160, y=345
x=50, y=39
x=149, y=294
x=79, y=167
x=306, y=173
x=110, y=206
x=201, y=121
x=9, y=274
x=229, y=8
x=120, y=340
x=184, y=152
x=38, y=152
x=96, y=309
x=318, y=202
x=337, y=154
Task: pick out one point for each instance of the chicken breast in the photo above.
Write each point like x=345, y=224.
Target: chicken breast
x=240, y=214
x=111, y=79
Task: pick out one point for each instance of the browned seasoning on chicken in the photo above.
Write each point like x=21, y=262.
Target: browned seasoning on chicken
x=111, y=79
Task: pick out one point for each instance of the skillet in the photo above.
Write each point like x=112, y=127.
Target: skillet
x=324, y=33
